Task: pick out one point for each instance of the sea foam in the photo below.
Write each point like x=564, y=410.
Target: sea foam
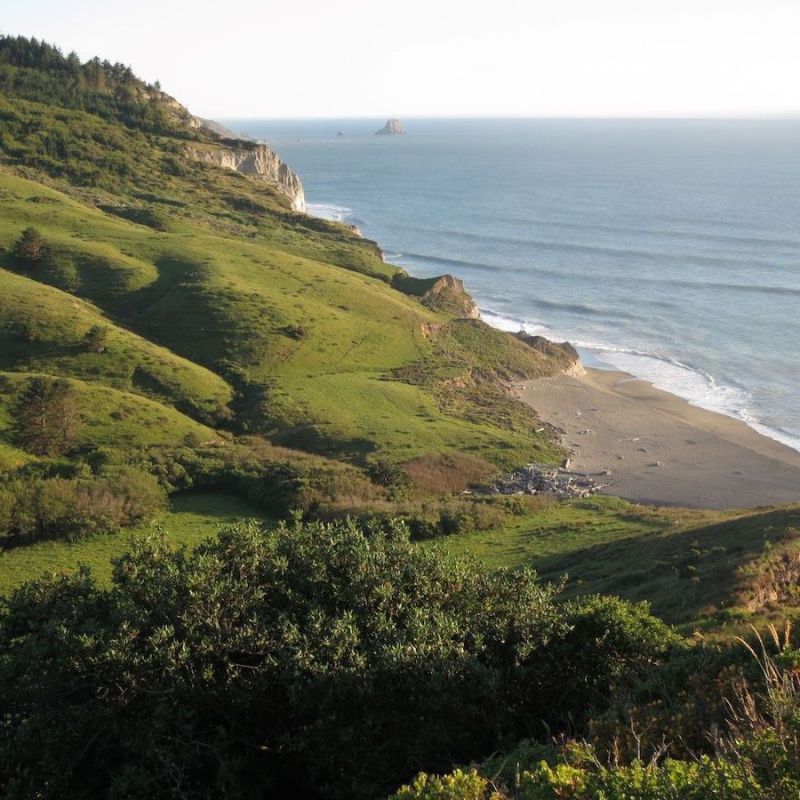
x=329, y=211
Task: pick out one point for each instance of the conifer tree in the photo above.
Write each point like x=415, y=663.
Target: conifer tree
x=46, y=416
x=30, y=246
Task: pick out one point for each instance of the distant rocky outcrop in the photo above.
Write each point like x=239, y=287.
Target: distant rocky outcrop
x=444, y=293
x=448, y=294
x=563, y=352
x=221, y=130
x=256, y=160
x=393, y=127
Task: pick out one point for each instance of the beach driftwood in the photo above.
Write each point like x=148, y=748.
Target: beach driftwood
x=536, y=479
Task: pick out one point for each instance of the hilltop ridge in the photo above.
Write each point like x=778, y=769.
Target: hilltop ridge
x=34, y=70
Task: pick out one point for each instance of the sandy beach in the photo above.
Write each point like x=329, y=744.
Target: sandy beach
x=657, y=448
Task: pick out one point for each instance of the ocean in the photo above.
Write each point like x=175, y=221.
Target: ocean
x=666, y=248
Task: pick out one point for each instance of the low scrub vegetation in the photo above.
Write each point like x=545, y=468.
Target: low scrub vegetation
x=315, y=659
x=34, y=508
x=738, y=738
x=448, y=473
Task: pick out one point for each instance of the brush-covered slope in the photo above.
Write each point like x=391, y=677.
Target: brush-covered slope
x=730, y=566
x=220, y=300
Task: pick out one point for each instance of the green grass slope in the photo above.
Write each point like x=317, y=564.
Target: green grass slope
x=109, y=418
x=695, y=567
x=730, y=568
x=297, y=314
x=43, y=329
x=190, y=519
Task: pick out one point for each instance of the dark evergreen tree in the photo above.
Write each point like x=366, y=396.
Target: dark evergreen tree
x=30, y=246
x=46, y=416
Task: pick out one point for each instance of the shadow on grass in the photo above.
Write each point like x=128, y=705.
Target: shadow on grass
x=683, y=574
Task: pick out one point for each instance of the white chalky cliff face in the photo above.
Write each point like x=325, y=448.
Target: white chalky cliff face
x=258, y=161
x=232, y=152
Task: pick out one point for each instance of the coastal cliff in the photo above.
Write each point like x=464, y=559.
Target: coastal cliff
x=256, y=160
x=562, y=352
x=227, y=149
x=448, y=294
x=443, y=293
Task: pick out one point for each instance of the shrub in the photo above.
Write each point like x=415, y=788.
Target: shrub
x=458, y=785
x=703, y=779
x=309, y=660
x=426, y=519
x=672, y=780
x=96, y=339
x=448, y=473
x=46, y=416
x=34, y=508
x=295, y=331
x=59, y=270
x=276, y=479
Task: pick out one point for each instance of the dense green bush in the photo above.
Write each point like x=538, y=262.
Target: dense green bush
x=282, y=481
x=458, y=785
x=30, y=247
x=58, y=269
x=705, y=779
x=312, y=660
x=33, y=507
x=46, y=416
x=754, y=739
x=276, y=479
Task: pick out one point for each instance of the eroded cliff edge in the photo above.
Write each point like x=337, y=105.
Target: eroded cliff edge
x=256, y=160
x=225, y=149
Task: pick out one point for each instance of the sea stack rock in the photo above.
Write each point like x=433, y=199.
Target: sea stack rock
x=393, y=127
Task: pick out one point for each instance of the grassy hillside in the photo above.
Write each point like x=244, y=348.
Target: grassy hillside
x=295, y=317
x=228, y=314
x=695, y=567
x=44, y=329
x=110, y=417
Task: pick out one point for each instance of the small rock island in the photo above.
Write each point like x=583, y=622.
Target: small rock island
x=393, y=127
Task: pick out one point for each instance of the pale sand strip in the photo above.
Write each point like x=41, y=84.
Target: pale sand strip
x=661, y=450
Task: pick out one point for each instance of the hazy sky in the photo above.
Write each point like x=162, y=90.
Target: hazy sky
x=380, y=58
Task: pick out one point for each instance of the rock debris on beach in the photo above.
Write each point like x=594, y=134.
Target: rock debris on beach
x=535, y=479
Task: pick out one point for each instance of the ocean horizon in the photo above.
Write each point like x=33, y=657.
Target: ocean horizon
x=669, y=249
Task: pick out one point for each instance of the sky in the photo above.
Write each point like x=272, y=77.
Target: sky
x=406, y=58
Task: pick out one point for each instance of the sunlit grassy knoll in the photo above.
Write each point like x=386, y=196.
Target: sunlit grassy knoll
x=337, y=351
x=43, y=329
